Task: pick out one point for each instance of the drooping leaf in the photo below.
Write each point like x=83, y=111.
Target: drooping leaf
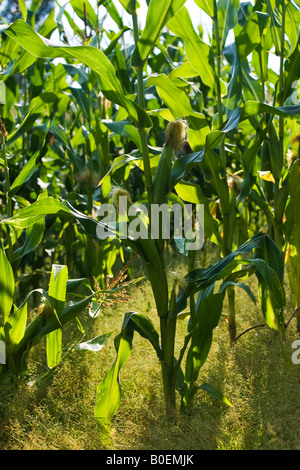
x=270, y=278
x=202, y=332
x=144, y=326
x=92, y=57
x=254, y=108
x=109, y=389
x=34, y=236
x=214, y=392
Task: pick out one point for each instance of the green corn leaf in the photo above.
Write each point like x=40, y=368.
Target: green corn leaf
x=28, y=216
x=16, y=325
x=7, y=286
x=185, y=70
x=123, y=128
x=23, y=9
x=158, y=15
x=130, y=5
x=202, y=332
x=92, y=57
x=109, y=389
x=58, y=287
x=24, y=60
x=180, y=107
x=291, y=75
x=82, y=101
x=243, y=286
x=34, y=236
x=29, y=169
x=192, y=193
x=235, y=86
x=144, y=326
x=87, y=13
x=275, y=25
x=214, y=392
x=204, y=277
x=249, y=159
x=35, y=108
x=207, y=6
x=254, y=108
x=227, y=18
x=70, y=312
x=250, y=36
x=292, y=21
x=113, y=12
x=271, y=292
x=184, y=164
x=54, y=347
x=199, y=54
x=118, y=163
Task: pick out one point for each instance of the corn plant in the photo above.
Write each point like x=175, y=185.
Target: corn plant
x=158, y=192
x=20, y=335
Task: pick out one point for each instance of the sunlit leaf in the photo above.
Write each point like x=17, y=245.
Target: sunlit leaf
x=90, y=56
x=7, y=286
x=158, y=15
x=199, y=54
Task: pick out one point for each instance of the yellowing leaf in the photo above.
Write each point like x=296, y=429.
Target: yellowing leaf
x=266, y=176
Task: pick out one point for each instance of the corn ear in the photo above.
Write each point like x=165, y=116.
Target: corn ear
x=174, y=138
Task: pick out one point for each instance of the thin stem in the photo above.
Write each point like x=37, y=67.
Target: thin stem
x=218, y=76
x=281, y=81
x=261, y=63
x=249, y=329
x=7, y=180
x=142, y=132
x=168, y=333
x=231, y=316
x=278, y=238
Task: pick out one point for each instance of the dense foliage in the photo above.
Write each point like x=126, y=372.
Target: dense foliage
x=160, y=114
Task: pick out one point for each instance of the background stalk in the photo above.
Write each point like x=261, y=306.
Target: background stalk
x=228, y=209
x=157, y=279
x=142, y=132
x=278, y=219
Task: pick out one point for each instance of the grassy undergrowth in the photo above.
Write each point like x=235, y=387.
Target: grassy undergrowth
x=263, y=390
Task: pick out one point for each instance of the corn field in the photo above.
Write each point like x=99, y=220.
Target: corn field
x=135, y=131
